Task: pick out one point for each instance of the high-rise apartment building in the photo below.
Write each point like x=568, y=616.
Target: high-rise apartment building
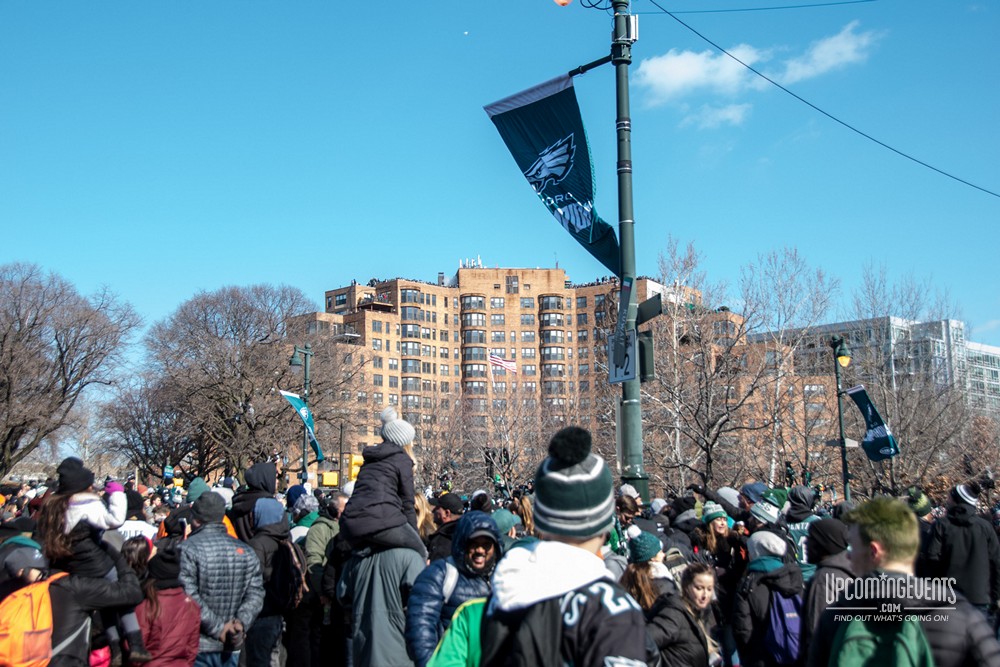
x=429, y=345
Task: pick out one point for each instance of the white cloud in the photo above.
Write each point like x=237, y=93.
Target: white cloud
x=679, y=73
x=847, y=47
x=676, y=75
x=708, y=117
x=988, y=326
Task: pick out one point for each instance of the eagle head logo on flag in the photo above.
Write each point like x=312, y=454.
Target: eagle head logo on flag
x=553, y=164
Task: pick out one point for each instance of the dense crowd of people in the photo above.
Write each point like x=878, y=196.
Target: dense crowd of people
x=569, y=571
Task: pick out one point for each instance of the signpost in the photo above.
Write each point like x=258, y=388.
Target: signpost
x=626, y=370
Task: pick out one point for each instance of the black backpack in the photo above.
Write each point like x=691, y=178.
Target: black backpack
x=288, y=583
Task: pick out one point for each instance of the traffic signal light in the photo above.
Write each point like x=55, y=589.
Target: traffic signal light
x=355, y=467
x=330, y=479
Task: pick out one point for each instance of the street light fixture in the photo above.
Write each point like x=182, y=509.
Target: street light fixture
x=842, y=357
x=300, y=358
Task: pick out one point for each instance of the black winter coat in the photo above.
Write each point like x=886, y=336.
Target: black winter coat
x=428, y=613
x=753, y=600
x=964, y=546
x=383, y=493
x=674, y=630
x=959, y=637
x=439, y=542
x=75, y=598
x=261, y=479
x=265, y=544
x=829, y=570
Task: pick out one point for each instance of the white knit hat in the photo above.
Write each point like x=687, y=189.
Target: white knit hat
x=396, y=430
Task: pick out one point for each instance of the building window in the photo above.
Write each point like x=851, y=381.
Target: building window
x=411, y=366
x=474, y=320
x=393, y=381
x=474, y=354
x=393, y=364
x=583, y=369
x=473, y=336
x=411, y=384
x=528, y=353
x=410, y=296
x=552, y=319
x=362, y=397
x=444, y=353
x=553, y=353
x=473, y=303
x=527, y=336
x=497, y=319
x=527, y=303
x=496, y=302
x=376, y=326
x=581, y=318
x=377, y=344
x=393, y=398
x=340, y=299
x=529, y=369
x=410, y=331
x=581, y=302
x=475, y=387
x=553, y=336
x=582, y=335
x=377, y=398
x=498, y=336
x=377, y=380
x=474, y=370
x=511, y=284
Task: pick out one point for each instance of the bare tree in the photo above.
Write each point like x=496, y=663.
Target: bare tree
x=215, y=366
x=54, y=345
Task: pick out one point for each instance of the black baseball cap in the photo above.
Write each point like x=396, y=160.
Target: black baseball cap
x=450, y=502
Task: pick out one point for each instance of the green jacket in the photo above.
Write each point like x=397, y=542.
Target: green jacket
x=317, y=547
x=459, y=647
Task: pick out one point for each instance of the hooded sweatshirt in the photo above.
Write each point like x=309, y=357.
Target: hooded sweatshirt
x=964, y=546
x=261, y=480
x=524, y=616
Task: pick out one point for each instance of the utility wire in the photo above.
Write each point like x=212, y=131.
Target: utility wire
x=763, y=9
x=825, y=113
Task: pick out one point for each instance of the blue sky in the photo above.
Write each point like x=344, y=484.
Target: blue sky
x=161, y=148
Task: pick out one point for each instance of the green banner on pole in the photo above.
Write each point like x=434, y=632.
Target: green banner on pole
x=543, y=130
x=878, y=443
x=307, y=418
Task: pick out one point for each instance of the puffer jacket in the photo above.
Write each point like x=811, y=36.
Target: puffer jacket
x=429, y=613
x=958, y=633
x=676, y=632
x=753, y=599
x=261, y=479
x=383, y=493
x=223, y=576
x=172, y=637
x=964, y=546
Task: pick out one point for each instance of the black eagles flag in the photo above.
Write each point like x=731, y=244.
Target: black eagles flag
x=544, y=132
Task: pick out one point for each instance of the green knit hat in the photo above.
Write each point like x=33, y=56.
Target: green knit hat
x=196, y=488
x=573, y=488
x=777, y=497
x=918, y=501
x=643, y=547
x=712, y=511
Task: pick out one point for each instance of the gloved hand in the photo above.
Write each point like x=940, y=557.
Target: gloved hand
x=114, y=487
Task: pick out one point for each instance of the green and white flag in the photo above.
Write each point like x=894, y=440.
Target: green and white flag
x=878, y=443
x=307, y=418
x=543, y=130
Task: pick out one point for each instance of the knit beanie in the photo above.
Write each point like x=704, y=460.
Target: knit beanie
x=73, y=476
x=918, y=501
x=267, y=511
x=765, y=512
x=197, y=487
x=396, y=430
x=966, y=493
x=293, y=494
x=681, y=505
x=573, y=488
x=777, y=497
x=209, y=508
x=711, y=511
x=306, y=504
x=765, y=543
x=643, y=547
x=134, y=504
x=730, y=495
x=165, y=569
x=754, y=491
x=826, y=537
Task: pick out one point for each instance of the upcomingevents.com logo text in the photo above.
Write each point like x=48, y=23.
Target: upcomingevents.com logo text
x=879, y=589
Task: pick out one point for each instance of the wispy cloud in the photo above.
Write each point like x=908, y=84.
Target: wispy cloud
x=848, y=47
x=988, y=326
x=673, y=77
x=707, y=116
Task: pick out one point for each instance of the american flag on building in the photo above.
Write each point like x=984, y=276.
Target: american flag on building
x=505, y=364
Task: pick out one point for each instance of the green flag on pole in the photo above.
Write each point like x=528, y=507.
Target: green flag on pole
x=878, y=443
x=543, y=130
x=307, y=418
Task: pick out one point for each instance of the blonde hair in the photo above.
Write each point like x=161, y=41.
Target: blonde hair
x=522, y=508
x=425, y=516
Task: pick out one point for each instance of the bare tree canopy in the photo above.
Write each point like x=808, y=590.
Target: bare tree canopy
x=209, y=399
x=54, y=344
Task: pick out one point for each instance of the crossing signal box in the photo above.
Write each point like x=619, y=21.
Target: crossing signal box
x=330, y=478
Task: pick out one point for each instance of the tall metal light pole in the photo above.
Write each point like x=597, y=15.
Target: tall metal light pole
x=842, y=359
x=631, y=411
x=303, y=361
